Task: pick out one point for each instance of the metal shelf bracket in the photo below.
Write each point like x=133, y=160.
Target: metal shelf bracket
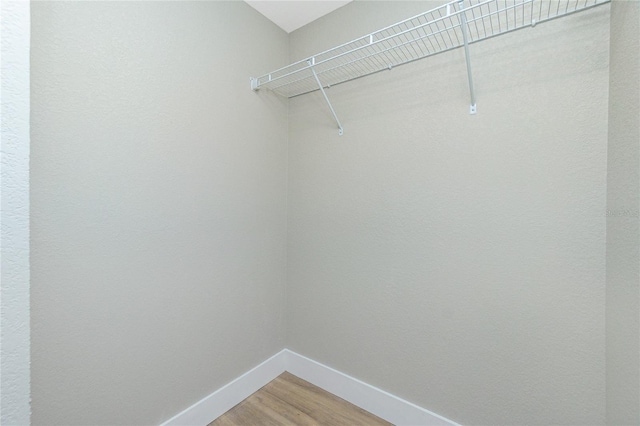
x=465, y=37
x=326, y=98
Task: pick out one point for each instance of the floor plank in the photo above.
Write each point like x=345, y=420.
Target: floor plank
x=289, y=401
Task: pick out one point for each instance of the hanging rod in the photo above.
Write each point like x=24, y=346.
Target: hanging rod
x=435, y=31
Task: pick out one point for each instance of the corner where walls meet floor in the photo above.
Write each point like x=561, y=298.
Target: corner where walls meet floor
x=376, y=401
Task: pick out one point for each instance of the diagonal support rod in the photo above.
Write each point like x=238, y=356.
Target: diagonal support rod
x=463, y=26
x=326, y=98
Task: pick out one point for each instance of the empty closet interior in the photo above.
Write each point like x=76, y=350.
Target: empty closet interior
x=437, y=199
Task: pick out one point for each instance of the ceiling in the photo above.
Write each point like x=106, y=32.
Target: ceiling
x=293, y=14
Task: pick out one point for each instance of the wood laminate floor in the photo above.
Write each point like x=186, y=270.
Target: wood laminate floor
x=288, y=400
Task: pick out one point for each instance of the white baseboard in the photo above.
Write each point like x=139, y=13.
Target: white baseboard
x=376, y=401
x=383, y=404
x=213, y=406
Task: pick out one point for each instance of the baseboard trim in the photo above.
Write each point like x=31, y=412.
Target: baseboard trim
x=381, y=403
x=219, y=402
x=376, y=401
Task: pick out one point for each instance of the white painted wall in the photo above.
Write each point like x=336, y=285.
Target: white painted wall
x=158, y=206
x=623, y=227
x=14, y=213
x=457, y=261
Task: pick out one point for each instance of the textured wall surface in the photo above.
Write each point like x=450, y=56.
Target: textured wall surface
x=14, y=213
x=623, y=227
x=158, y=206
x=457, y=261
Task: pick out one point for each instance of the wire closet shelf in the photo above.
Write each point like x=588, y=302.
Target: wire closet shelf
x=450, y=26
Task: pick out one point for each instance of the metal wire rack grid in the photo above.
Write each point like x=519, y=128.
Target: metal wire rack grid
x=432, y=32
